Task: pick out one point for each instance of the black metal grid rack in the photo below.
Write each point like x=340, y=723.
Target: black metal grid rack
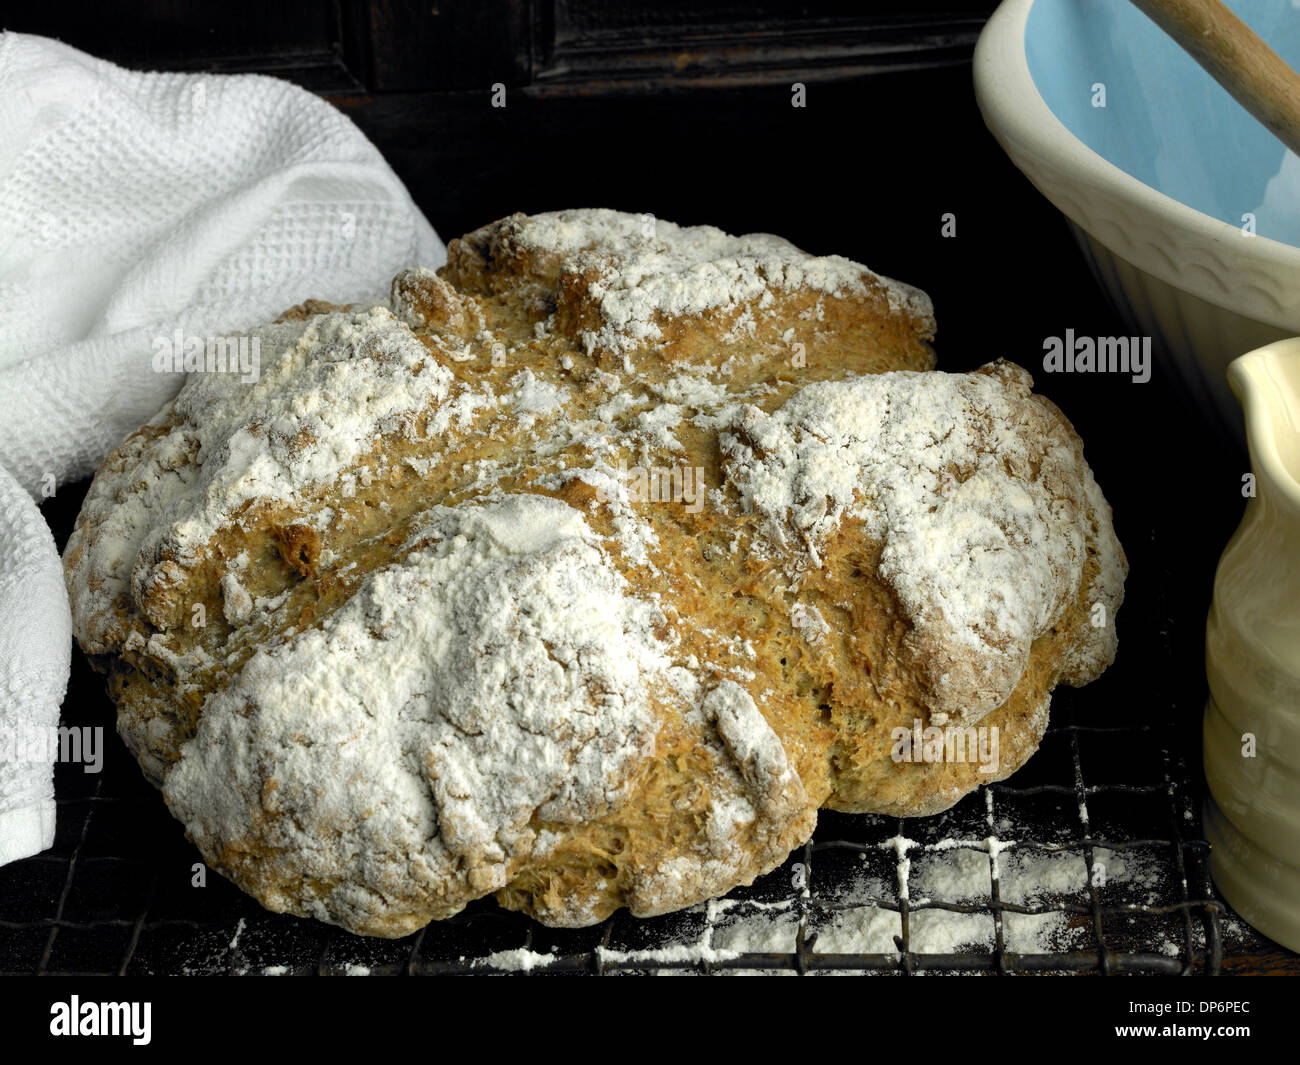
x=1117, y=769
x=115, y=894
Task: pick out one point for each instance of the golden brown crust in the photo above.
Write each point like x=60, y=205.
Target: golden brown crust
x=710, y=802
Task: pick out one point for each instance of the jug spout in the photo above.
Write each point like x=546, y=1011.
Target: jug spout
x=1267, y=383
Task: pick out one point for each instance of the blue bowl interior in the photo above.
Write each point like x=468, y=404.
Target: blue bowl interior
x=1166, y=122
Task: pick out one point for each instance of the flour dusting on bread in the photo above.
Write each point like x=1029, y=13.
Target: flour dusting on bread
x=583, y=572
x=640, y=270
x=970, y=485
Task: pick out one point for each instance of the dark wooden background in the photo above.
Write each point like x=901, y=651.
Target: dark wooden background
x=549, y=46
x=678, y=108
x=684, y=110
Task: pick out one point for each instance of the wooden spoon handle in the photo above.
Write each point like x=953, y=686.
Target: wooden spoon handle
x=1235, y=56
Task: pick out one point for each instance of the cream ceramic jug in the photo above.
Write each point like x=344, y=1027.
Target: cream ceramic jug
x=1252, y=720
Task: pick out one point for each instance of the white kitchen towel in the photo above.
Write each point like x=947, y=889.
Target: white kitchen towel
x=35, y=650
x=136, y=207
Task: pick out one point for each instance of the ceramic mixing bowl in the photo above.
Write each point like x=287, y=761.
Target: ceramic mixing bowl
x=1186, y=208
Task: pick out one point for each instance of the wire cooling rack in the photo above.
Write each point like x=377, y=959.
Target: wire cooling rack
x=1115, y=781
x=118, y=894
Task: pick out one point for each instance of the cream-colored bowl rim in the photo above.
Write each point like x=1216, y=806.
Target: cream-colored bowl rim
x=1019, y=117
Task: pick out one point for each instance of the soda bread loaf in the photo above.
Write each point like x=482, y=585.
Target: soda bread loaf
x=583, y=572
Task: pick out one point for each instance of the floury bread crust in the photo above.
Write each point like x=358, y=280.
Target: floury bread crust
x=414, y=619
